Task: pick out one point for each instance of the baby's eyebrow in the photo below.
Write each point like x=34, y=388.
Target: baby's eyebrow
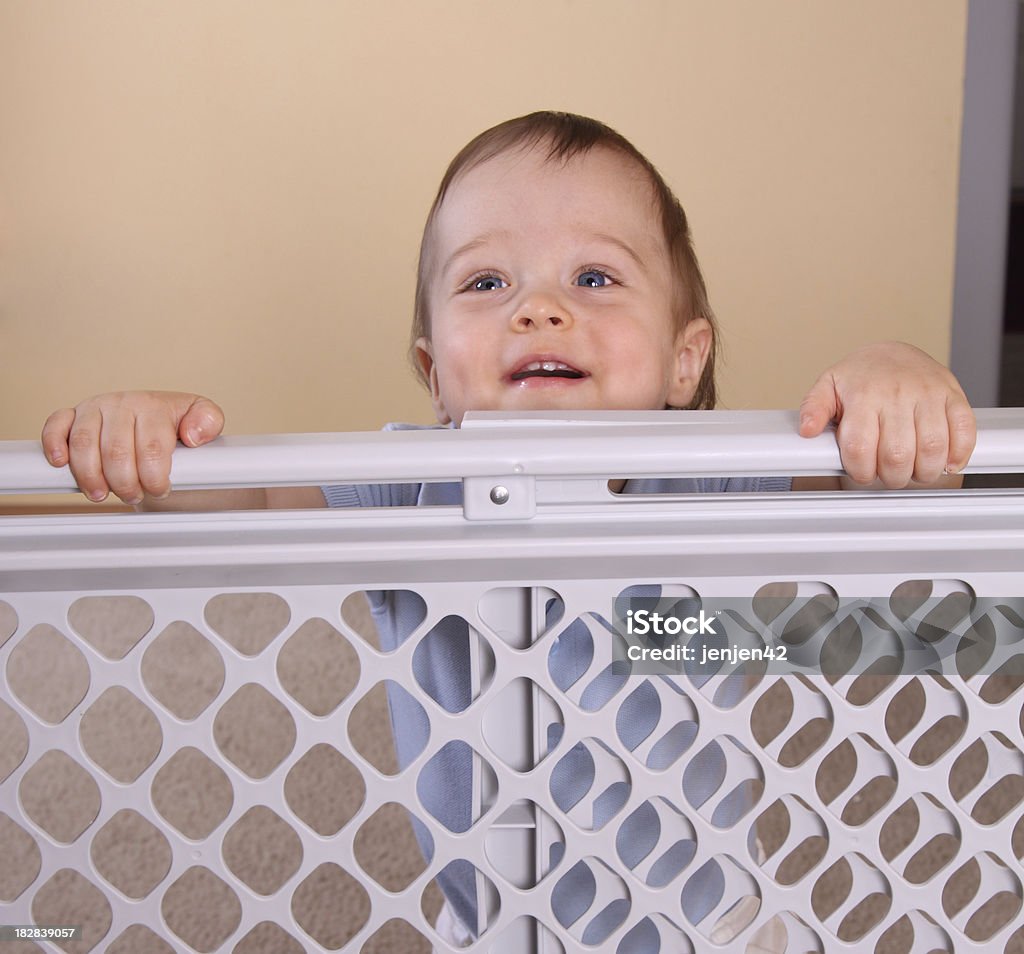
x=473, y=244
x=625, y=246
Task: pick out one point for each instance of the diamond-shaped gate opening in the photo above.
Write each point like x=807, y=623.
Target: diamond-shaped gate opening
x=385, y=847
x=730, y=663
x=201, y=909
x=48, y=673
x=139, y=939
x=192, y=793
x=590, y=901
x=856, y=780
x=796, y=613
x=916, y=931
x=720, y=899
x=788, y=840
x=1004, y=638
x=656, y=842
x=657, y=723
x=318, y=667
x=395, y=935
x=932, y=609
x=59, y=796
x=992, y=640
x=1014, y=943
x=474, y=904
x=254, y=731
x=8, y=622
x=851, y=897
x=132, y=854
x=405, y=608
x=791, y=720
x=112, y=625
x=457, y=786
x=120, y=734
x=324, y=789
x=248, y=622
x=369, y=727
x=330, y=906
x=522, y=724
x=926, y=718
x=723, y=781
x=654, y=933
x=13, y=740
x=864, y=655
x=982, y=896
x=68, y=898
x=590, y=784
x=267, y=937
x=453, y=664
x=20, y=860
x=521, y=615
x=919, y=839
x=524, y=843
x=262, y=850
x=183, y=671
x=588, y=661
x=787, y=931
x=987, y=778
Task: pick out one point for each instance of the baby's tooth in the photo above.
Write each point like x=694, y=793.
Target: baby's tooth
x=549, y=366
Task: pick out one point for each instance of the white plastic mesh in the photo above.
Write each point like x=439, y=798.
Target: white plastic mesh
x=198, y=757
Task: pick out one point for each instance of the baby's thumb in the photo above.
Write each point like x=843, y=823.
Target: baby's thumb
x=819, y=407
x=201, y=423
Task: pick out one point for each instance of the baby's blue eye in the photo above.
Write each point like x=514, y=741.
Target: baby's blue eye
x=489, y=283
x=592, y=279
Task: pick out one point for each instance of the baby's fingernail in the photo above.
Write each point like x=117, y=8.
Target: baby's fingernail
x=951, y=470
x=96, y=496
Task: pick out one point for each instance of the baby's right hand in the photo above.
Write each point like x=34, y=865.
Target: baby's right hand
x=122, y=442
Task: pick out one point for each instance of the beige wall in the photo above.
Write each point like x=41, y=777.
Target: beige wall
x=226, y=196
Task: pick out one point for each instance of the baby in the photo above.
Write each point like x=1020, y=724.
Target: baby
x=556, y=272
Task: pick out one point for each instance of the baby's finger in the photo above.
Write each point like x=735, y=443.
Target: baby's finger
x=897, y=447
x=55, y=436
x=857, y=435
x=963, y=433
x=818, y=407
x=84, y=453
x=202, y=422
x=932, y=443
x=155, y=440
x=117, y=452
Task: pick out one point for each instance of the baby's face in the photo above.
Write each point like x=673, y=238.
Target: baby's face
x=552, y=290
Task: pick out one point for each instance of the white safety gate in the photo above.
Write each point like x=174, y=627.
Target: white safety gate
x=193, y=742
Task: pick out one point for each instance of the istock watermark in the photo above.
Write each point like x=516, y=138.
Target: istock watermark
x=701, y=637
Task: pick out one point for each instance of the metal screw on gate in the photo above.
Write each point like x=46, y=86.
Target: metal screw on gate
x=499, y=495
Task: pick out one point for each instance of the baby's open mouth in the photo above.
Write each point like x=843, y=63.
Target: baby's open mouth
x=546, y=369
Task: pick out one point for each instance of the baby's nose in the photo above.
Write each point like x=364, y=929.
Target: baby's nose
x=541, y=310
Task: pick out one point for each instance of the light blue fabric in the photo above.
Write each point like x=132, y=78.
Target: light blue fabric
x=441, y=667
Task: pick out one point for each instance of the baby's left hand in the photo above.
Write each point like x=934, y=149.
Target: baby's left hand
x=900, y=415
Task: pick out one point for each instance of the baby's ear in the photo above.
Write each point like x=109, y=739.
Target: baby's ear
x=425, y=358
x=692, y=349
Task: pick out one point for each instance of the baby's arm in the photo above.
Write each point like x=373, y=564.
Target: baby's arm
x=122, y=443
x=902, y=419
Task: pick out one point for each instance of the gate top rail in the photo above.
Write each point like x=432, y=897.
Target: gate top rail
x=533, y=444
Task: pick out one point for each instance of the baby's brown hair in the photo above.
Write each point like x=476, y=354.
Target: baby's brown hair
x=568, y=135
